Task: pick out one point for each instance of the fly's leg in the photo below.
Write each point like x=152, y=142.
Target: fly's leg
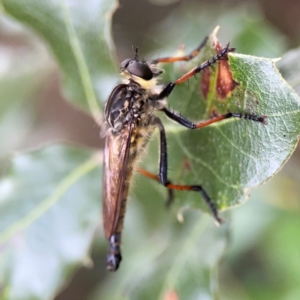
x=163, y=163
x=181, y=58
x=195, y=188
x=163, y=176
x=163, y=159
x=114, y=256
x=189, y=124
x=169, y=87
x=186, y=123
x=170, y=196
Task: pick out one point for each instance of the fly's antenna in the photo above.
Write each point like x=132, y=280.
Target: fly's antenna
x=135, y=52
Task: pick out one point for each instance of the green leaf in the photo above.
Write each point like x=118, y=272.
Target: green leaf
x=50, y=206
x=79, y=36
x=226, y=158
x=175, y=259
x=231, y=156
x=20, y=79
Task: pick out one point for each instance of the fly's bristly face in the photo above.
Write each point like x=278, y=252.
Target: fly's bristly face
x=130, y=119
x=142, y=72
x=136, y=68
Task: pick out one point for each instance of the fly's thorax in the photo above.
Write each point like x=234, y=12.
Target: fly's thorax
x=147, y=85
x=116, y=105
x=129, y=104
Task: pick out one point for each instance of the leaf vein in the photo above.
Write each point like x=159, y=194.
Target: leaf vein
x=48, y=202
x=81, y=64
x=233, y=145
x=199, y=160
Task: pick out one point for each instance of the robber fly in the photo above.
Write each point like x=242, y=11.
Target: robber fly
x=130, y=119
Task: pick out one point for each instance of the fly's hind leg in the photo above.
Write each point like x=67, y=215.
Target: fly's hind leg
x=170, y=196
x=196, y=188
x=162, y=177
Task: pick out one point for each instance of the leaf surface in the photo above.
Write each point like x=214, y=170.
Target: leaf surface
x=24, y=65
x=231, y=156
x=50, y=207
x=79, y=37
x=61, y=209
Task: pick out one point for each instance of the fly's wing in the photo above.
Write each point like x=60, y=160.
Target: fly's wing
x=116, y=157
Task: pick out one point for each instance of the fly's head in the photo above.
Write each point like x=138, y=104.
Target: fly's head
x=128, y=101
x=142, y=72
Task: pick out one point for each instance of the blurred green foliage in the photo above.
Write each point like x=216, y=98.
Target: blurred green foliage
x=261, y=260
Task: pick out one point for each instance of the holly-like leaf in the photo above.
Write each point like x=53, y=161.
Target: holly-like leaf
x=79, y=37
x=49, y=210
x=231, y=156
x=226, y=158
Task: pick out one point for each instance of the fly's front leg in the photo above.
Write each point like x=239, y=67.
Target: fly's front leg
x=188, y=57
x=189, y=124
x=169, y=87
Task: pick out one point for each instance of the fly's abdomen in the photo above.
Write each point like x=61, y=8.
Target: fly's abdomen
x=120, y=221
x=122, y=149
x=139, y=141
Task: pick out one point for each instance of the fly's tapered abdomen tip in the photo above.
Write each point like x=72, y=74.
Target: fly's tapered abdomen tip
x=114, y=256
x=113, y=262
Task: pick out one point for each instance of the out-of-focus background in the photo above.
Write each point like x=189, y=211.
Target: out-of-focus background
x=263, y=257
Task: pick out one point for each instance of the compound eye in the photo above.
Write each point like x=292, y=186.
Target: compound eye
x=140, y=69
x=125, y=63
